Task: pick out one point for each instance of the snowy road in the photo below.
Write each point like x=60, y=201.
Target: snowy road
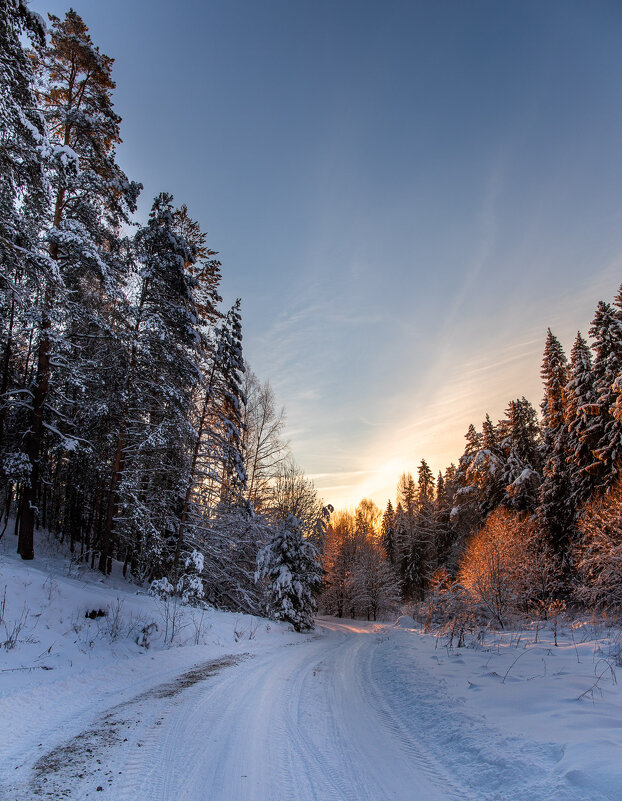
x=347, y=715
x=291, y=725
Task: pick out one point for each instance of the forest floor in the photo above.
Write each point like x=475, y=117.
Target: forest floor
x=247, y=710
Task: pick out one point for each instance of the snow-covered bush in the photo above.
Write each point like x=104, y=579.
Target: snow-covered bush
x=188, y=587
x=290, y=567
x=161, y=589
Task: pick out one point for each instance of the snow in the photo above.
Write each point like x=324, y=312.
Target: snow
x=353, y=711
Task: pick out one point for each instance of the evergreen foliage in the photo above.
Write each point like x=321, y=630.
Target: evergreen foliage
x=290, y=567
x=124, y=423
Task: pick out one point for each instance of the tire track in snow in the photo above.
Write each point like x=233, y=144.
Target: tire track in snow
x=404, y=734
x=71, y=764
x=392, y=762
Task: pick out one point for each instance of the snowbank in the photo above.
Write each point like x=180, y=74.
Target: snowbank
x=564, y=697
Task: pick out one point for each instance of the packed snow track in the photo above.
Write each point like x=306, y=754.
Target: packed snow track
x=344, y=715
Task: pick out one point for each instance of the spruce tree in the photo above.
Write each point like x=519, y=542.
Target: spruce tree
x=387, y=533
x=466, y=515
x=290, y=568
x=421, y=555
x=404, y=529
x=444, y=529
x=581, y=404
x=606, y=332
x=555, y=511
x=522, y=463
x=151, y=459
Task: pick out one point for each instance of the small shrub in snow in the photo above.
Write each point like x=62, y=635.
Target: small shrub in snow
x=50, y=585
x=238, y=631
x=188, y=587
x=162, y=589
x=144, y=637
x=112, y=623
x=197, y=622
x=13, y=629
x=170, y=608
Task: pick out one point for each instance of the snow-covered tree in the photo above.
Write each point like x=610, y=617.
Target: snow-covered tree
x=465, y=515
x=581, y=403
x=91, y=198
x=151, y=460
x=599, y=552
x=374, y=586
x=289, y=566
x=522, y=463
x=555, y=510
x=446, y=539
x=226, y=432
x=25, y=269
x=388, y=534
x=606, y=331
x=421, y=535
x=230, y=539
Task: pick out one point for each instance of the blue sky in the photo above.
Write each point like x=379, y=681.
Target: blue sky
x=404, y=194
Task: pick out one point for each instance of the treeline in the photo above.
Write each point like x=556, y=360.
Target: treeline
x=129, y=425
x=530, y=519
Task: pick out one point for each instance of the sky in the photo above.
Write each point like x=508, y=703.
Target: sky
x=405, y=195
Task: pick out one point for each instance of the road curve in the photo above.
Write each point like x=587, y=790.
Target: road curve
x=305, y=722
x=349, y=714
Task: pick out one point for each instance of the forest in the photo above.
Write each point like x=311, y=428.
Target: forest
x=132, y=428
x=526, y=525
x=130, y=425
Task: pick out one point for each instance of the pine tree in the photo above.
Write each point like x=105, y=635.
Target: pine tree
x=388, y=533
x=554, y=375
x=24, y=268
x=404, y=528
x=445, y=534
x=581, y=403
x=91, y=199
x=522, y=463
x=486, y=470
x=466, y=514
x=153, y=439
x=289, y=565
x=555, y=511
x=606, y=332
x=423, y=543
x=228, y=434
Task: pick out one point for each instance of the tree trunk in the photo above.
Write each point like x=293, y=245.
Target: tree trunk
x=25, y=543
x=7, y=363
